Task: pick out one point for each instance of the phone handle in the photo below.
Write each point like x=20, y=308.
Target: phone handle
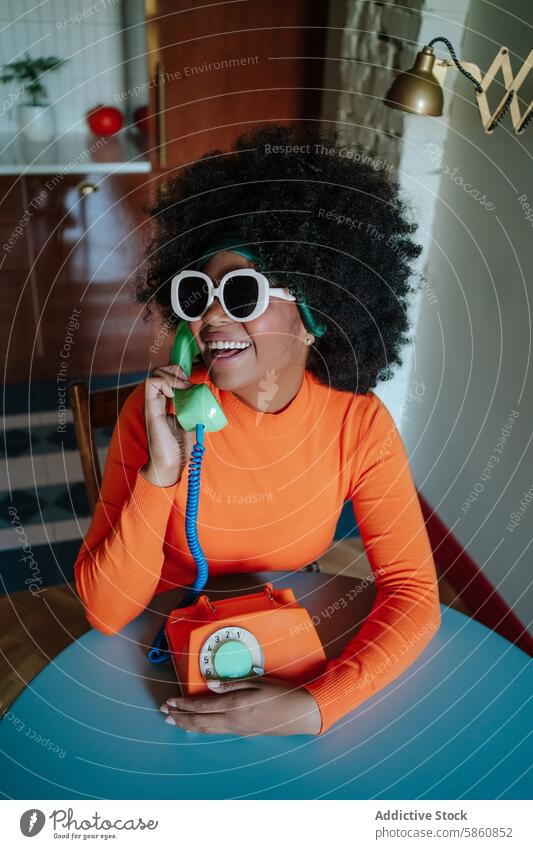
x=196, y=405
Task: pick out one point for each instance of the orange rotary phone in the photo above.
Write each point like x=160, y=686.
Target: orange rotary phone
x=259, y=633
x=265, y=632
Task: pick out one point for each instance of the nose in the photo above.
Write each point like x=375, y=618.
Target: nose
x=214, y=312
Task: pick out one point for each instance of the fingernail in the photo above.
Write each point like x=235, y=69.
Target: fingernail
x=173, y=702
x=164, y=708
x=170, y=720
x=214, y=683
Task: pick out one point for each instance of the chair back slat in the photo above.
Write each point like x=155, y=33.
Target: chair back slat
x=89, y=410
x=105, y=404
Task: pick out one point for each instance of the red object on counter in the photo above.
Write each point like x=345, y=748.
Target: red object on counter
x=105, y=120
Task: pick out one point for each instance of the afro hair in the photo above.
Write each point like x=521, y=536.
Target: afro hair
x=323, y=219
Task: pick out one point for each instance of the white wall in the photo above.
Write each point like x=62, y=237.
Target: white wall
x=134, y=48
x=473, y=339
x=88, y=34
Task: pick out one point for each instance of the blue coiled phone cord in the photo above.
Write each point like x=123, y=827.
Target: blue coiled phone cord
x=159, y=651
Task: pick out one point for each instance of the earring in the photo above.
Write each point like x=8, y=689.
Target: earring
x=309, y=340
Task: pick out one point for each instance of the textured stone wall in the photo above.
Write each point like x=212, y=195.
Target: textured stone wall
x=368, y=44
x=378, y=41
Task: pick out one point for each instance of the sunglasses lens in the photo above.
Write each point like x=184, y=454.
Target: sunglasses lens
x=240, y=295
x=192, y=295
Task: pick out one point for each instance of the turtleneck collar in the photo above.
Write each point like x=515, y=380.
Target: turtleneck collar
x=261, y=424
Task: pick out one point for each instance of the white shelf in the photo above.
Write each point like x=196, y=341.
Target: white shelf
x=73, y=154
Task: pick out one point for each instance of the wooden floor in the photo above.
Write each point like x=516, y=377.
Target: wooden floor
x=36, y=628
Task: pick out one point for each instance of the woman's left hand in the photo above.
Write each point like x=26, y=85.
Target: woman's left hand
x=247, y=706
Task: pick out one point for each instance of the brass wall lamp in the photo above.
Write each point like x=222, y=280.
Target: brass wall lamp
x=419, y=90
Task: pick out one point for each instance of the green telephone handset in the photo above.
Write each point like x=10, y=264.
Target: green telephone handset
x=196, y=405
x=196, y=409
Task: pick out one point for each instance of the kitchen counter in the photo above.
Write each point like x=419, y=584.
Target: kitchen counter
x=74, y=154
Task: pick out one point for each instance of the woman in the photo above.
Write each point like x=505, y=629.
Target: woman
x=305, y=430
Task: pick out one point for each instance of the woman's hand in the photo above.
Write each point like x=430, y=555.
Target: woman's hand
x=247, y=706
x=169, y=445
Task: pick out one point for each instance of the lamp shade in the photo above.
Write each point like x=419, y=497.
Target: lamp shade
x=417, y=91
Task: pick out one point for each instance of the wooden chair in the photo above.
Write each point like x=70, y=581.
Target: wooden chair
x=90, y=410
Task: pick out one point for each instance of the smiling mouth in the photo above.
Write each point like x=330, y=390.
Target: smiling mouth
x=220, y=355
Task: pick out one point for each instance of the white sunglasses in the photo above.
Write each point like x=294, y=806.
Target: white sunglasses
x=243, y=294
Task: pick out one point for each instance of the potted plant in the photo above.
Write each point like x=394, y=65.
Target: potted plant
x=35, y=117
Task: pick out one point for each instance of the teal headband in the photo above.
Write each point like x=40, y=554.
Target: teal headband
x=231, y=241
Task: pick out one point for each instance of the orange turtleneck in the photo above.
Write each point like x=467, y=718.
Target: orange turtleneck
x=272, y=489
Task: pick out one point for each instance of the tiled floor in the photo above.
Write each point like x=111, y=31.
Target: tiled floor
x=43, y=501
x=41, y=479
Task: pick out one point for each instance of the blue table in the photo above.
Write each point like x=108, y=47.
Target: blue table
x=455, y=725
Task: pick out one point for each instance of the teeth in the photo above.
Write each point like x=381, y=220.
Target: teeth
x=222, y=346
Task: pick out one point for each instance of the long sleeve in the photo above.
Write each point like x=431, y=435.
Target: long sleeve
x=406, y=611
x=119, y=563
